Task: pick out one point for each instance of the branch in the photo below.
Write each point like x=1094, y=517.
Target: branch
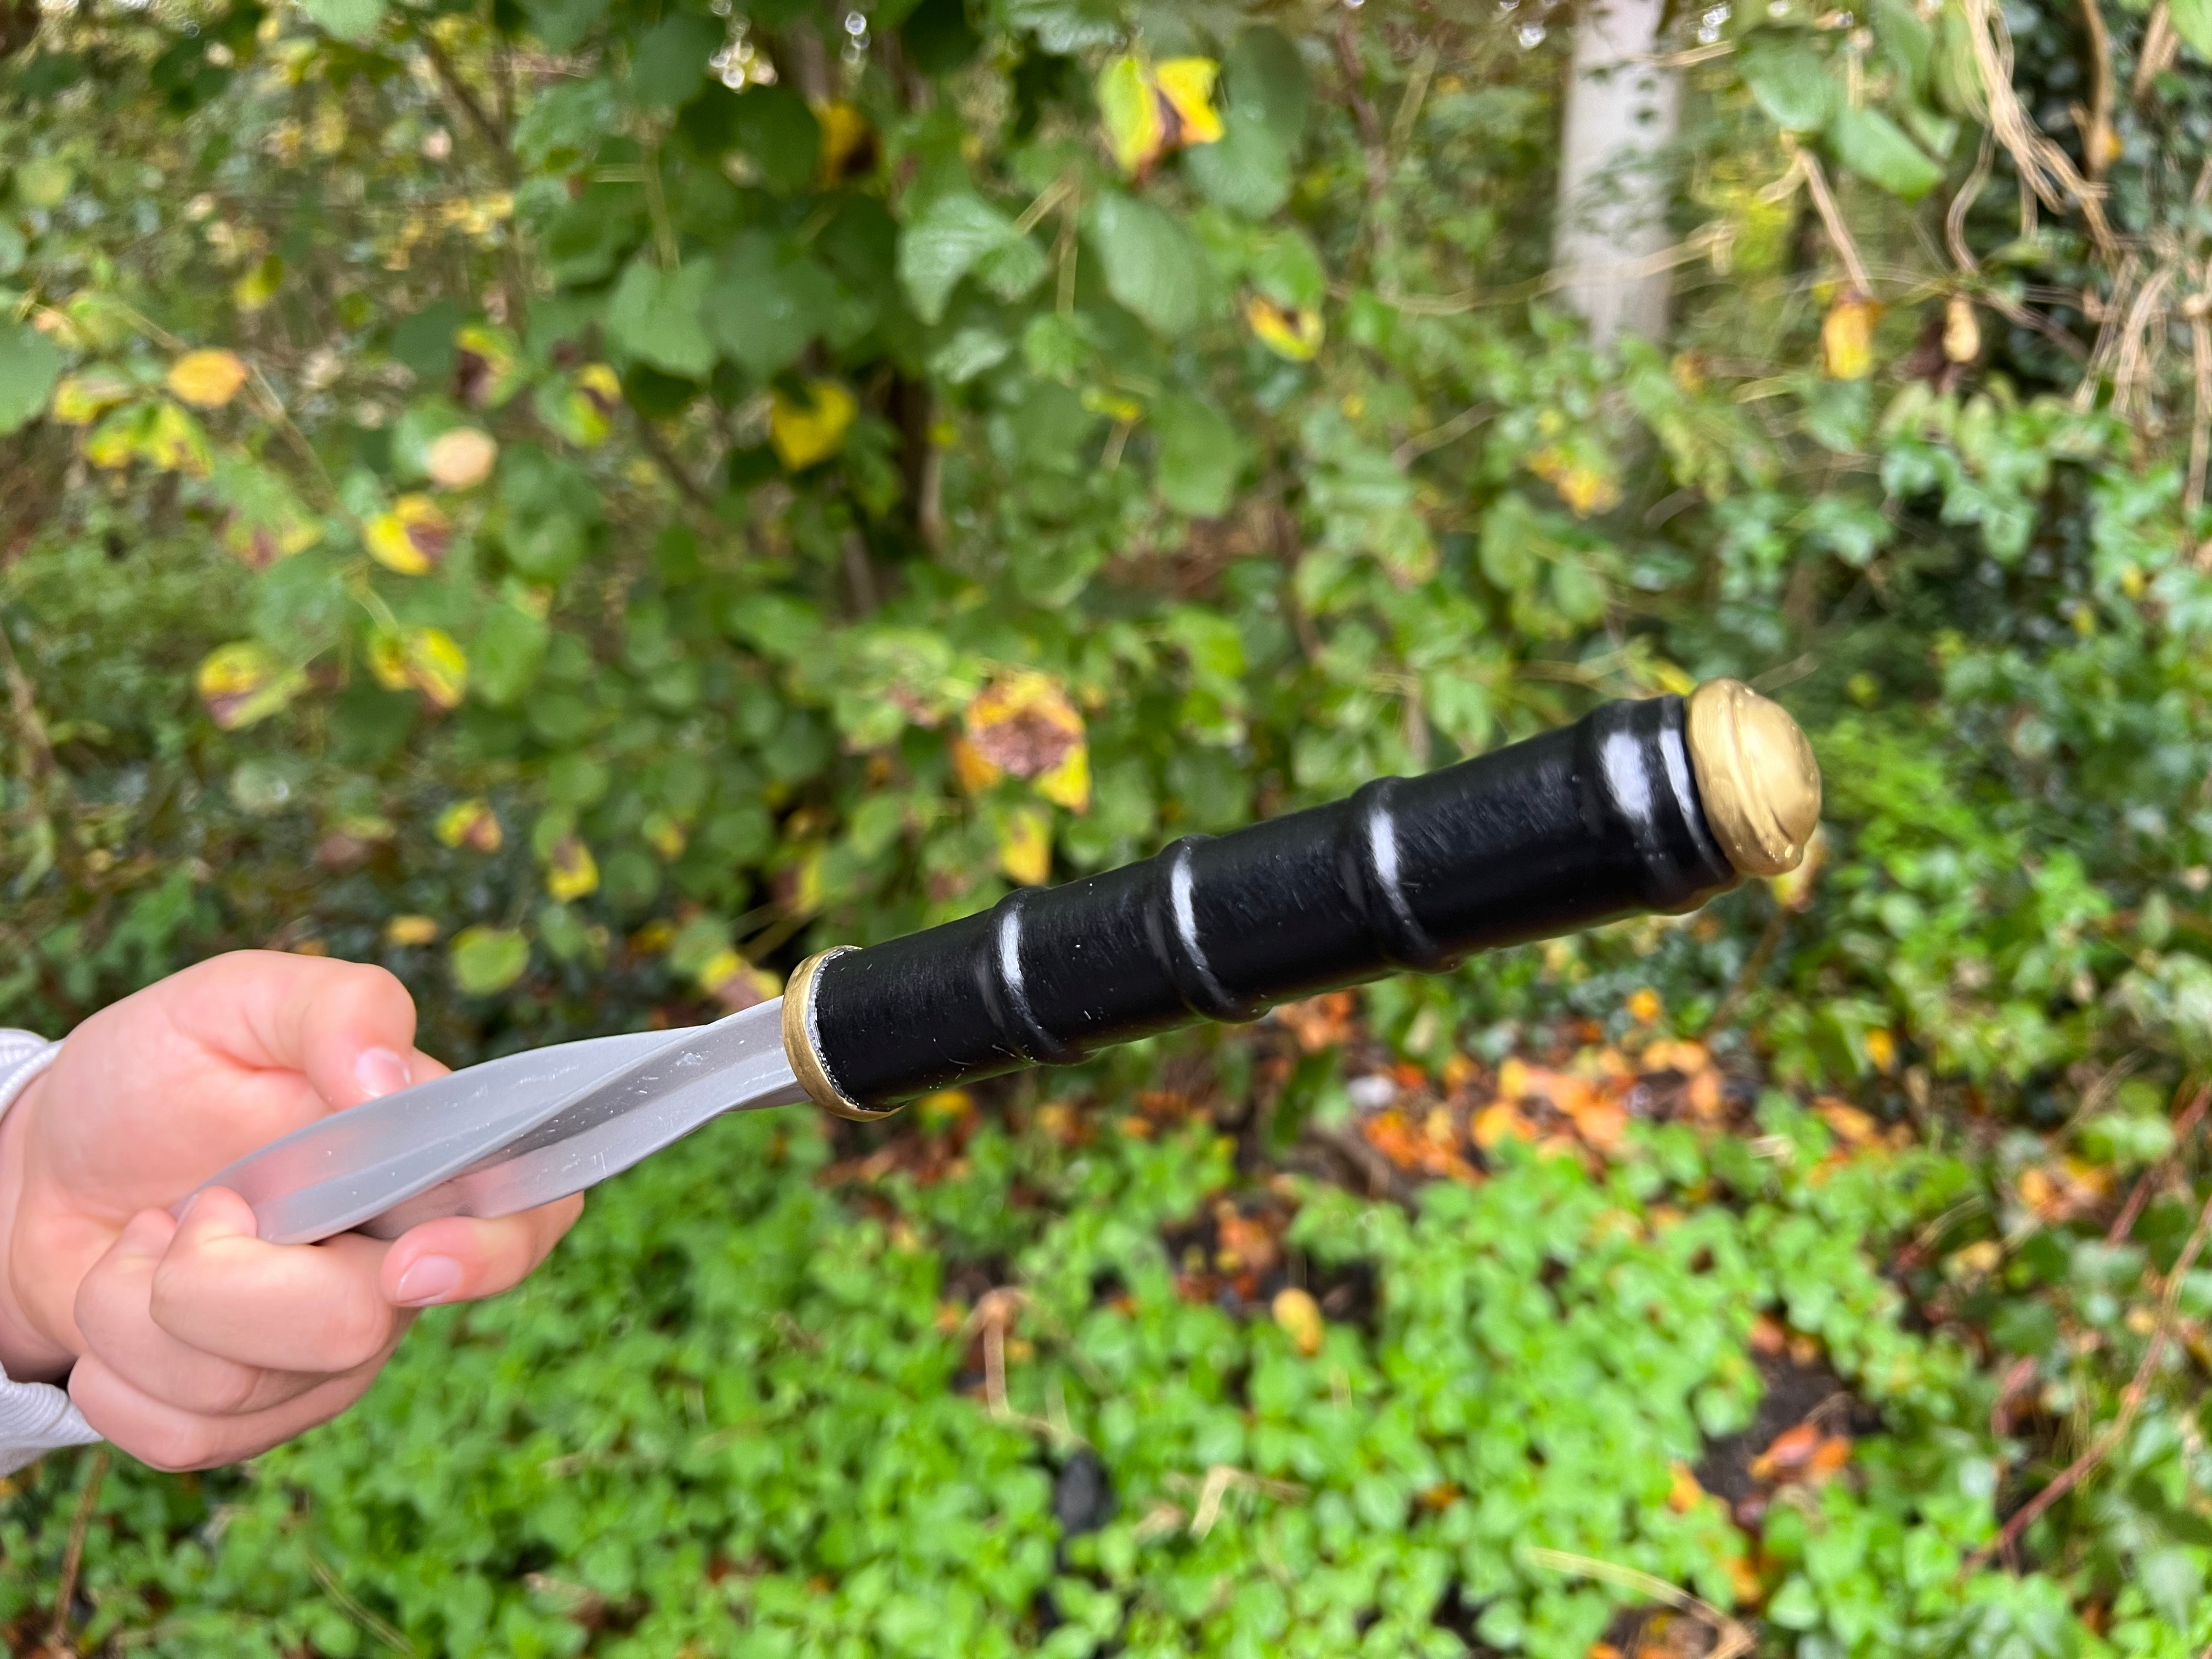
x=479, y=117
x=2131, y=1399
x=657, y=447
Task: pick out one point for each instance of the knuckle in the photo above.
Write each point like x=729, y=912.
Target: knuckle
x=355, y=1330
x=194, y=1444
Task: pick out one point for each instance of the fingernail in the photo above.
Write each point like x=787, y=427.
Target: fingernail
x=432, y=1279
x=381, y=1071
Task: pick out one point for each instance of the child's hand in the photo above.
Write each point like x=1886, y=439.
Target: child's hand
x=193, y=1343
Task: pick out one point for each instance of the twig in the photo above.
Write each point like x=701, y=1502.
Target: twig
x=471, y=106
x=2159, y=45
x=23, y=701
x=2131, y=1399
x=1437, y=436
x=1220, y=1480
x=387, y=1634
x=2161, y=1172
x=1735, y=1639
x=1832, y=220
x=2097, y=141
x=666, y=458
x=1769, y=940
x=96, y=1471
x=2047, y=174
x=2200, y=408
x=1954, y=219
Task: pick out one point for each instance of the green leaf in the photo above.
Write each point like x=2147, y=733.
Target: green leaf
x=1152, y=265
x=349, y=19
x=944, y=245
x=1247, y=169
x=1264, y=75
x=29, y=362
x=1905, y=40
x=1875, y=148
x=767, y=301
x=485, y=961
x=1788, y=78
x=780, y=134
x=1200, y=453
x=967, y=353
x=2172, y=1580
x=2193, y=22
x=655, y=315
x=669, y=64
x=505, y=657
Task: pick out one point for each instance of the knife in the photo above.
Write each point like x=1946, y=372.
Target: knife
x=1643, y=806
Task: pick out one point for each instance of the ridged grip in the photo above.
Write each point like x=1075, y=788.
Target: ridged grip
x=1575, y=827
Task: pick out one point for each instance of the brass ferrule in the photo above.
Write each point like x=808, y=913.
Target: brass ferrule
x=802, y=1043
x=1756, y=777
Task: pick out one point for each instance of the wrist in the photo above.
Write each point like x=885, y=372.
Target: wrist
x=30, y=1351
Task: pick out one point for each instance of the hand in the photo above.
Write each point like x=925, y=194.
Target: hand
x=191, y=1343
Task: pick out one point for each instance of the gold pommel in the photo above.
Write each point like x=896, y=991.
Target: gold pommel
x=802, y=1043
x=1756, y=775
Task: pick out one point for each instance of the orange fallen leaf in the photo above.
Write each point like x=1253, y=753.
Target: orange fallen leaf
x=1788, y=1453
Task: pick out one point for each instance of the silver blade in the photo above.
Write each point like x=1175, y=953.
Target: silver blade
x=511, y=1134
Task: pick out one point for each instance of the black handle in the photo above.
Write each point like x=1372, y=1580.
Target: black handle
x=1577, y=826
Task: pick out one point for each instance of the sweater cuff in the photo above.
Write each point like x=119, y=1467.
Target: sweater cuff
x=34, y=1417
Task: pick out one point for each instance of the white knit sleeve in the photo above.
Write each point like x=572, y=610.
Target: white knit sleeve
x=34, y=1417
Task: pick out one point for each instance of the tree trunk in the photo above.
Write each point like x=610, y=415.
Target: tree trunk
x=1615, y=188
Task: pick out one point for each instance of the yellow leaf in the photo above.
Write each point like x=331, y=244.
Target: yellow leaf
x=387, y=661
x=736, y=984
x=115, y=441
x=470, y=823
x=1291, y=332
x=1187, y=86
x=412, y=538
x=848, y=144
x=806, y=890
x=1300, y=1317
x=1023, y=723
x=1135, y=130
x=266, y=522
x=175, y=442
x=207, y=379
x=461, y=459
x=1881, y=1048
x=1068, y=784
x=245, y=682
x=158, y=433
x=1582, y=485
x=588, y=409
x=410, y=930
x=1962, y=334
x=1025, y=846
x=570, y=870
x=665, y=835
x=81, y=399
x=1847, y=337
x=1644, y=1007
x=804, y=434
x=973, y=772
x=436, y=666
x=490, y=367
x=254, y=290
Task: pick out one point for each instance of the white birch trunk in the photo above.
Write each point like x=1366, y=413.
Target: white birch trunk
x=1614, y=191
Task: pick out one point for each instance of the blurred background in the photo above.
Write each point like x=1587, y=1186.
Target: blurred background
x=584, y=502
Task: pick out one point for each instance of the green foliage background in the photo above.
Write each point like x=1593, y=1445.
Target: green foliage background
x=828, y=405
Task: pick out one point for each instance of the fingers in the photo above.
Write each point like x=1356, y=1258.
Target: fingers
x=281, y=1307
x=169, y=1437
x=457, y=1259
x=349, y=1026
x=112, y=1320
